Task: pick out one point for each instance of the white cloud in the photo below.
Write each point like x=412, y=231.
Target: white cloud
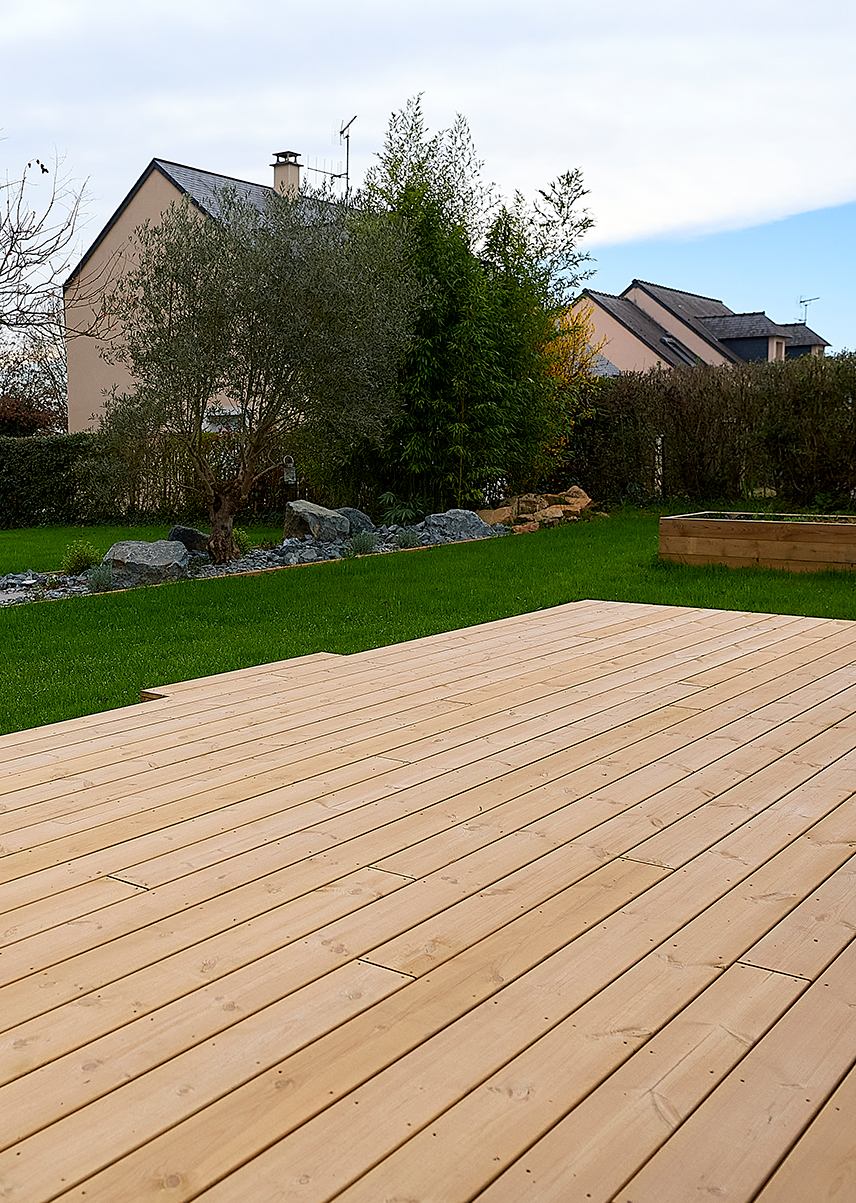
x=682, y=117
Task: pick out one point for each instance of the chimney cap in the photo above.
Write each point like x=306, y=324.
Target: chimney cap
x=285, y=156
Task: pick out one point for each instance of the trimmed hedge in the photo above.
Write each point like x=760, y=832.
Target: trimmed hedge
x=65, y=479
x=702, y=432
x=42, y=479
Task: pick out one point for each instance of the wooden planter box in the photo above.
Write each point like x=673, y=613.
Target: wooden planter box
x=750, y=540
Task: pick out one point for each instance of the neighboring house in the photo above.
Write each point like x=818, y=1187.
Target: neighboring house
x=161, y=184
x=650, y=325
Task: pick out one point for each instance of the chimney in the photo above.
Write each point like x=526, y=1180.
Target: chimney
x=286, y=172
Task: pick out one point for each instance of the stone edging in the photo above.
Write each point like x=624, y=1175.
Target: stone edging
x=237, y=575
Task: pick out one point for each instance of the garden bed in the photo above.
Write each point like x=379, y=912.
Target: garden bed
x=796, y=542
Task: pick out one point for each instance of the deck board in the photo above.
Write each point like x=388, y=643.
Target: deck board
x=557, y=907
x=764, y=1102
x=822, y=1166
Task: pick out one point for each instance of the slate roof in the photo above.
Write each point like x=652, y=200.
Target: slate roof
x=758, y=325
x=708, y=317
x=604, y=367
x=687, y=305
x=648, y=331
x=689, y=308
x=798, y=334
x=201, y=186
x=742, y=325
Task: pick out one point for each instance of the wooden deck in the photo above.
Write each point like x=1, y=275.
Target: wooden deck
x=556, y=908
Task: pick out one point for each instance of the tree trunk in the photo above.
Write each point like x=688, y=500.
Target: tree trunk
x=221, y=513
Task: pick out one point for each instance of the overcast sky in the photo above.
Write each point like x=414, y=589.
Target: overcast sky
x=690, y=122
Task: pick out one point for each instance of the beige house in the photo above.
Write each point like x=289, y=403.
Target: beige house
x=90, y=376
x=650, y=325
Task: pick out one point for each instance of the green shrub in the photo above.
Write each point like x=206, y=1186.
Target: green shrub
x=79, y=556
x=784, y=429
x=100, y=578
x=395, y=510
x=408, y=538
x=41, y=479
x=362, y=543
x=241, y=539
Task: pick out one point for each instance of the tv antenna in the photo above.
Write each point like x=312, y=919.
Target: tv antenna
x=805, y=302
x=345, y=136
x=333, y=175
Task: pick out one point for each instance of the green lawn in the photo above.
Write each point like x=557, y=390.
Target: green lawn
x=62, y=659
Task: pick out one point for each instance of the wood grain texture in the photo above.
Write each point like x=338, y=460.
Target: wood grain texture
x=741, y=542
x=555, y=908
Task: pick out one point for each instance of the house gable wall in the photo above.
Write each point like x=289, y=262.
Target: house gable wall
x=678, y=328
x=90, y=376
x=622, y=348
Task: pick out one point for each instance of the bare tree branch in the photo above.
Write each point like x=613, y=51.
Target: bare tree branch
x=33, y=383
x=36, y=245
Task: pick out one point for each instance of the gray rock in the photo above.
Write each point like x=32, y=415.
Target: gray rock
x=456, y=525
x=143, y=565
x=193, y=540
x=357, y=519
x=306, y=518
x=147, y=563
x=22, y=580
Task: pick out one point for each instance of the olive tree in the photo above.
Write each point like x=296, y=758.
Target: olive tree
x=286, y=322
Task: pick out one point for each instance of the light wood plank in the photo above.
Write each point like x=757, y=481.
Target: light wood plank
x=254, y=950
x=543, y=830
x=255, y=1116
x=64, y=769
x=623, y=831
x=506, y=667
x=37, y=1166
x=822, y=1165
x=347, y=822
x=318, y=783
x=806, y=941
x=161, y=1028
x=404, y=1019
x=682, y=1050
x=36, y=917
x=732, y=1142
x=137, y=768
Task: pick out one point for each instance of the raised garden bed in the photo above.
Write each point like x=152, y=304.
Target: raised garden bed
x=796, y=542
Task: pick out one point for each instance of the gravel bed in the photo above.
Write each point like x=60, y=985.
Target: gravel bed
x=17, y=588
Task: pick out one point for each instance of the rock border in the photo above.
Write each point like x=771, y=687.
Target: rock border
x=436, y=530
x=35, y=590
